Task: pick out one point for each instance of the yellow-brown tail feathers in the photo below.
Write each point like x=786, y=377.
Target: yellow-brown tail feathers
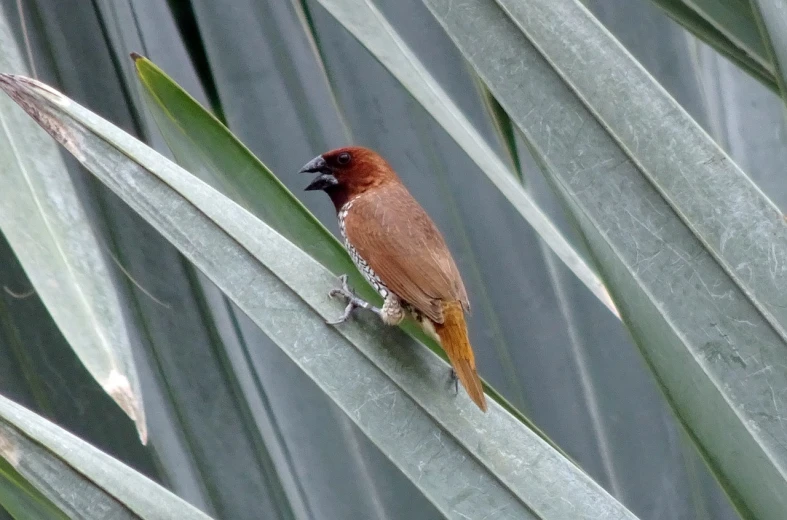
x=455, y=343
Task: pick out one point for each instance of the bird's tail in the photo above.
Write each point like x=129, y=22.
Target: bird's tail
x=455, y=343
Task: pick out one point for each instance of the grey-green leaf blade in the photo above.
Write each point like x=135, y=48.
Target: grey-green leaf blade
x=21, y=499
x=771, y=18
x=665, y=214
x=735, y=20
x=80, y=480
x=50, y=232
x=692, y=173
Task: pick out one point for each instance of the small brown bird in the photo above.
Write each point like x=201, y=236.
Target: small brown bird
x=399, y=250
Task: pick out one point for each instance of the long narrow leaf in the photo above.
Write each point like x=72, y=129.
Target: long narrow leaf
x=735, y=19
x=730, y=28
x=45, y=223
x=469, y=464
x=368, y=25
x=771, y=17
x=72, y=476
x=690, y=248
x=21, y=499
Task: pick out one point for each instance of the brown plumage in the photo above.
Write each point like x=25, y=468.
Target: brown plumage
x=398, y=248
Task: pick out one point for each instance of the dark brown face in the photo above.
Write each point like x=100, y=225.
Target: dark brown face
x=345, y=173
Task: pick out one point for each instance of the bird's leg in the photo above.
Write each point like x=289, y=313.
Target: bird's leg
x=455, y=380
x=353, y=302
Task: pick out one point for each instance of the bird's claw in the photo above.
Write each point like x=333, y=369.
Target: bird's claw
x=345, y=315
x=455, y=380
x=353, y=302
x=343, y=291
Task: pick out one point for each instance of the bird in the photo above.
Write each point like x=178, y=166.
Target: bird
x=400, y=252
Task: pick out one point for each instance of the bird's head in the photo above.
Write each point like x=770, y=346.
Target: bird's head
x=347, y=172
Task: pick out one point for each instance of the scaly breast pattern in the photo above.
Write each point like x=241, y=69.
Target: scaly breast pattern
x=360, y=263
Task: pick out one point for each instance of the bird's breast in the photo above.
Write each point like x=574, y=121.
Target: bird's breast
x=362, y=265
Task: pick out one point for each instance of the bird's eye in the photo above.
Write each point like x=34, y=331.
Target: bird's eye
x=344, y=158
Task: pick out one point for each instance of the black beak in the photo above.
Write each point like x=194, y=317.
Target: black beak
x=325, y=180
x=315, y=165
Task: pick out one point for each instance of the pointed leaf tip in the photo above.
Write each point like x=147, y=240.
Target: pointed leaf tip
x=37, y=99
x=7, y=81
x=136, y=57
x=16, y=83
x=119, y=388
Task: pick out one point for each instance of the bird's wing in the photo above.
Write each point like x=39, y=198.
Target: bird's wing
x=401, y=244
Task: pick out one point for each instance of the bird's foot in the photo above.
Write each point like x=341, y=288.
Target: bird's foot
x=453, y=378
x=353, y=302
